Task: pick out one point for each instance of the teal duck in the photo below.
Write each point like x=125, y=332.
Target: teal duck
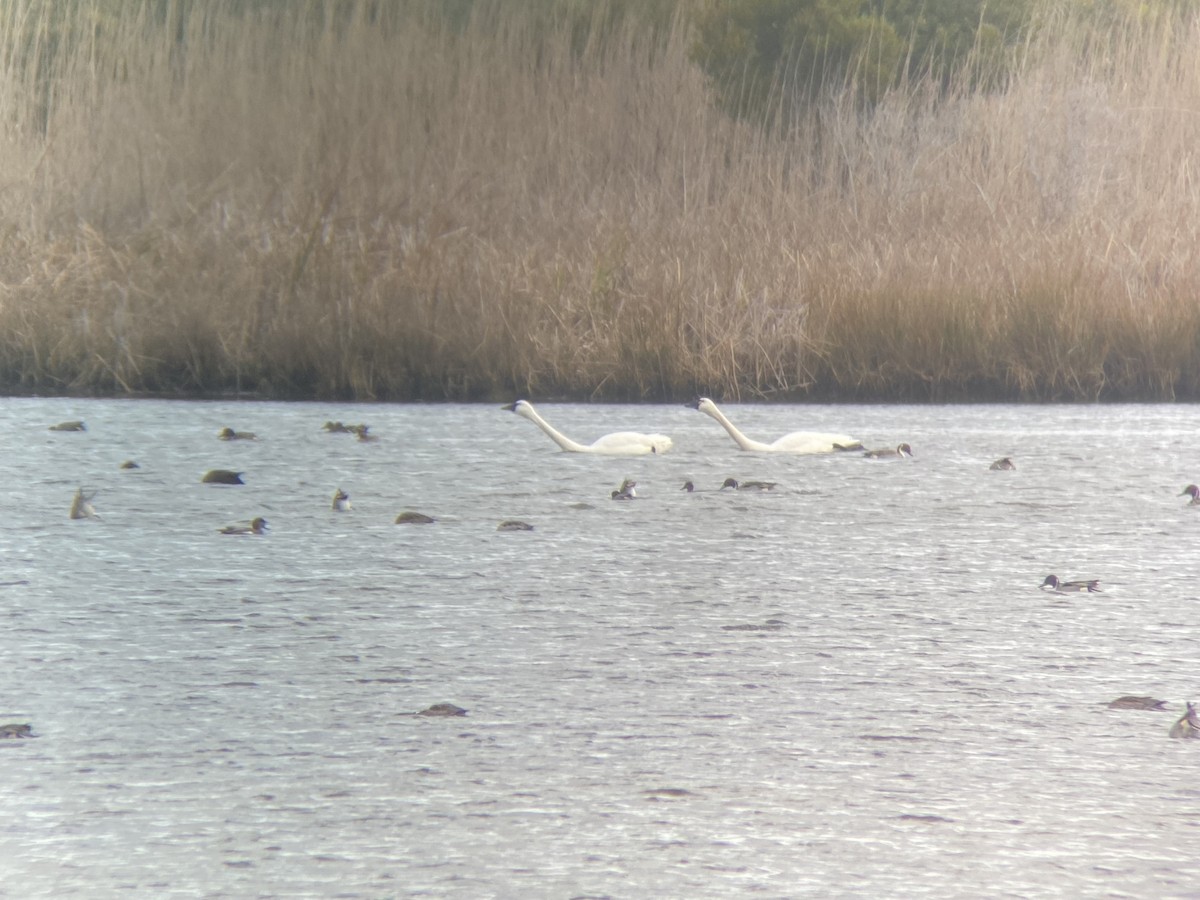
x=16, y=730
x=1137, y=703
x=222, y=476
x=258, y=525
x=1188, y=725
x=735, y=485
x=514, y=525
x=1090, y=585
x=228, y=434
x=1192, y=491
x=443, y=709
x=899, y=452
x=414, y=518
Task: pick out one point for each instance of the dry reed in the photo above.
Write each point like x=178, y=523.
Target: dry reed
x=333, y=201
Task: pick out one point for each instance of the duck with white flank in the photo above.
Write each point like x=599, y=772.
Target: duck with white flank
x=81, y=506
x=899, y=452
x=1188, y=725
x=619, y=443
x=1192, y=491
x=627, y=490
x=796, y=442
x=341, y=501
x=735, y=485
x=1087, y=585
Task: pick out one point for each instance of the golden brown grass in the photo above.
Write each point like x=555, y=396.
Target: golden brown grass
x=305, y=202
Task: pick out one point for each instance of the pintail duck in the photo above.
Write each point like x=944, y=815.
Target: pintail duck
x=228, y=434
x=1004, y=464
x=901, y=451
x=1192, y=491
x=81, y=506
x=16, y=730
x=1090, y=585
x=73, y=425
x=258, y=525
x=1188, y=725
x=341, y=501
x=627, y=490
x=414, y=518
x=1137, y=703
x=735, y=485
x=514, y=525
x=222, y=476
x=443, y=709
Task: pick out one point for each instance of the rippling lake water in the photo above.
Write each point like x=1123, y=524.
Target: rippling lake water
x=848, y=686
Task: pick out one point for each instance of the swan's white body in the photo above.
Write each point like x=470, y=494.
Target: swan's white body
x=619, y=443
x=796, y=442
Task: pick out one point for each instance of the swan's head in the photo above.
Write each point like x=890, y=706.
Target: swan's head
x=520, y=407
x=704, y=405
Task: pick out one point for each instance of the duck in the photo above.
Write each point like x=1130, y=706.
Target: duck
x=228, y=434
x=1192, y=491
x=901, y=451
x=222, y=476
x=1137, y=703
x=1188, y=725
x=796, y=442
x=627, y=490
x=338, y=428
x=130, y=464
x=364, y=433
x=734, y=484
x=619, y=443
x=74, y=425
x=414, y=518
x=1004, y=464
x=16, y=730
x=514, y=525
x=81, y=506
x=1087, y=585
x=443, y=709
x=341, y=501
x=258, y=525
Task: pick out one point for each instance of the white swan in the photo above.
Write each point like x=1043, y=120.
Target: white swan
x=619, y=443
x=796, y=442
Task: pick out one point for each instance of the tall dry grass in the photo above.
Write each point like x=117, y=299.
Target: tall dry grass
x=361, y=201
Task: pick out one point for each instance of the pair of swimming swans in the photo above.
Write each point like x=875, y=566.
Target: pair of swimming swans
x=634, y=443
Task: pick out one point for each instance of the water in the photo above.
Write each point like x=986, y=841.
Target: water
x=848, y=686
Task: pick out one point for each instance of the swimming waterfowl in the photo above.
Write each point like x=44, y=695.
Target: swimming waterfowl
x=514, y=525
x=1188, y=725
x=81, y=506
x=222, y=476
x=364, y=433
x=619, y=443
x=734, y=484
x=796, y=442
x=627, y=490
x=1004, y=464
x=414, y=518
x=228, y=434
x=1090, y=585
x=16, y=730
x=341, y=501
x=1137, y=703
x=338, y=428
x=258, y=525
x=74, y=425
x=130, y=464
x=1192, y=491
x=901, y=451
x=443, y=709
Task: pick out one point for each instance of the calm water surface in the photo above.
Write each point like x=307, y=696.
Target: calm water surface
x=850, y=686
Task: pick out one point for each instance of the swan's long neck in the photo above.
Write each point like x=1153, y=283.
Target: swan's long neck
x=740, y=439
x=555, y=435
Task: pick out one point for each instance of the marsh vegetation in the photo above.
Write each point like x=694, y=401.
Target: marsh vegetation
x=383, y=202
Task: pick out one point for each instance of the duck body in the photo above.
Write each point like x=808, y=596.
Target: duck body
x=222, y=476
x=258, y=525
x=1087, y=585
x=414, y=518
x=228, y=434
x=627, y=490
x=74, y=425
x=796, y=442
x=514, y=525
x=901, y=451
x=16, y=730
x=1137, y=703
x=1004, y=464
x=1188, y=726
x=341, y=501
x=443, y=709
x=619, y=443
x=735, y=485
